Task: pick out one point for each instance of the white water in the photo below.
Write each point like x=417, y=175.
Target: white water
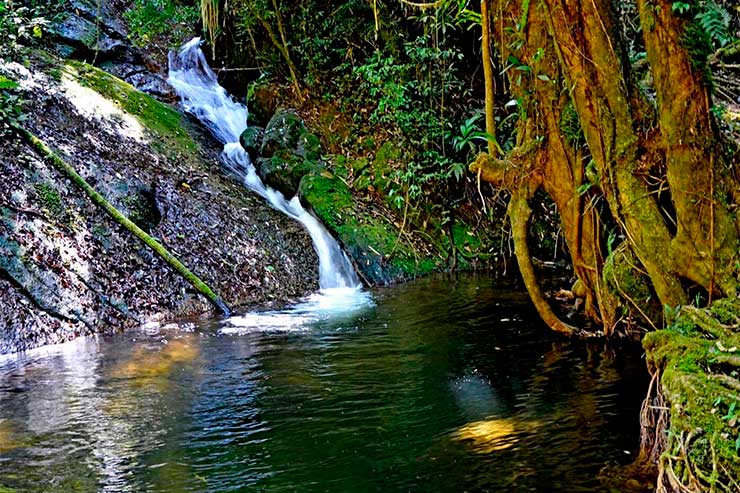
x=201, y=95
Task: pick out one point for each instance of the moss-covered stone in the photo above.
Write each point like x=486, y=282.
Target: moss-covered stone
x=283, y=171
x=287, y=152
x=371, y=240
x=286, y=131
x=165, y=123
x=698, y=357
x=251, y=140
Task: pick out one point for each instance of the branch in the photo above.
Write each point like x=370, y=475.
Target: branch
x=427, y=5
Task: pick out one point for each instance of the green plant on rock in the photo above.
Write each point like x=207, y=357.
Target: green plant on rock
x=170, y=19
x=50, y=200
x=11, y=105
x=22, y=24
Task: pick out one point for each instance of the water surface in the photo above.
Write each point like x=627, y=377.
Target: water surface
x=445, y=384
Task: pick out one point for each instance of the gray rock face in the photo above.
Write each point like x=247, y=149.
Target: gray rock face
x=94, y=30
x=77, y=30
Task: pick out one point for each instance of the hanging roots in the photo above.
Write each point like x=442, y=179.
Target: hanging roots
x=209, y=16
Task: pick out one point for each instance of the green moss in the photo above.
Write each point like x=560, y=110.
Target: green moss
x=370, y=239
x=697, y=355
x=50, y=199
x=570, y=125
x=623, y=275
x=165, y=123
x=142, y=210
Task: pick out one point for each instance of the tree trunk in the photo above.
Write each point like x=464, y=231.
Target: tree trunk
x=567, y=63
x=485, y=21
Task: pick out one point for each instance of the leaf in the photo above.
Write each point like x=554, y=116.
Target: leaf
x=6, y=83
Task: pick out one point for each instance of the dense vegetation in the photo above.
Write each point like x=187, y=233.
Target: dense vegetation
x=607, y=132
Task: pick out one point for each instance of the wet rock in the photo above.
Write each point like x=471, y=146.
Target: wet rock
x=379, y=250
x=251, y=140
x=287, y=152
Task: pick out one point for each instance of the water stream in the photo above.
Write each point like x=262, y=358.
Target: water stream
x=446, y=384
x=197, y=86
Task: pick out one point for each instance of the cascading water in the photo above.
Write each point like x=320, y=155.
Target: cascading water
x=197, y=86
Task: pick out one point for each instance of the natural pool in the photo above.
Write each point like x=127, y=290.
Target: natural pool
x=445, y=384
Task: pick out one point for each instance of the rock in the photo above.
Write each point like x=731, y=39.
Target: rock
x=286, y=131
x=251, y=140
x=365, y=233
x=84, y=34
x=139, y=76
x=284, y=171
x=101, y=11
x=286, y=153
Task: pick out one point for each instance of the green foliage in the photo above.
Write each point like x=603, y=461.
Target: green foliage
x=715, y=21
x=11, y=105
x=22, y=25
x=170, y=19
x=570, y=125
x=708, y=28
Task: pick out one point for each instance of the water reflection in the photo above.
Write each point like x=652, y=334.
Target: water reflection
x=443, y=385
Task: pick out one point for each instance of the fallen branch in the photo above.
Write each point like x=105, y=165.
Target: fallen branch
x=98, y=199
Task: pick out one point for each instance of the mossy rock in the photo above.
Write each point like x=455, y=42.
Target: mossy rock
x=287, y=152
x=251, y=140
x=371, y=240
x=286, y=131
x=284, y=170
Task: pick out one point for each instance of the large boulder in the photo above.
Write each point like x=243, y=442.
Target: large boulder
x=284, y=153
x=93, y=27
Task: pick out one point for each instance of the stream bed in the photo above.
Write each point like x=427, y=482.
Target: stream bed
x=446, y=384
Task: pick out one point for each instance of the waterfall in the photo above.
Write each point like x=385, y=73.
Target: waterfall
x=197, y=86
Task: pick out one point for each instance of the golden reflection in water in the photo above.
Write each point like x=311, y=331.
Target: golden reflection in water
x=8, y=438
x=491, y=435
x=148, y=365
x=149, y=369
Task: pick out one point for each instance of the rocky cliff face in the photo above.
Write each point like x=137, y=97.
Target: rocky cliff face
x=67, y=269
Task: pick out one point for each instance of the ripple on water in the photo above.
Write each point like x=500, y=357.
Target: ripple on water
x=423, y=389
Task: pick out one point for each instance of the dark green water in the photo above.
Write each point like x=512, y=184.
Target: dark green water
x=443, y=385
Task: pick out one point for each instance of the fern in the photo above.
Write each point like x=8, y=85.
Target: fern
x=715, y=20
